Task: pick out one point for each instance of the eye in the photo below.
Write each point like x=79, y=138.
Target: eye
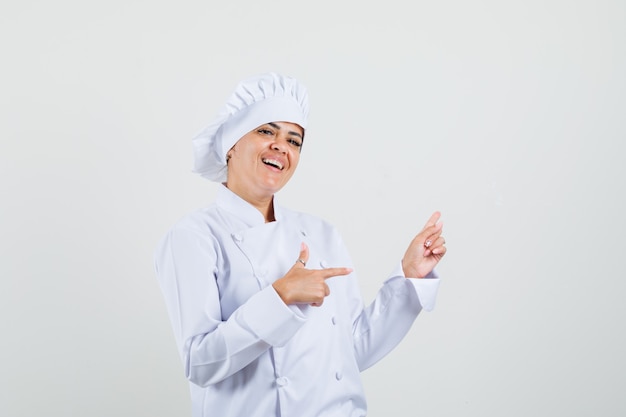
x=295, y=142
x=265, y=131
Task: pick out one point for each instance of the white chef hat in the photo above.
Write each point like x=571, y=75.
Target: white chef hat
x=257, y=100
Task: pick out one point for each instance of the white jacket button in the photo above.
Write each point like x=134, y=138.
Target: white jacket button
x=338, y=375
x=237, y=237
x=324, y=264
x=334, y=320
x=282, y=381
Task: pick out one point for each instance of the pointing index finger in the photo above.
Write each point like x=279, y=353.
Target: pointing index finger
x=333, y=272
x=434, y=218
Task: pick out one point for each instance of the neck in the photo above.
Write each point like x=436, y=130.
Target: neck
x=264, y=203
x=269, y=212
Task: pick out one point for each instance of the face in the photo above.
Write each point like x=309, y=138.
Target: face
x=263, y=160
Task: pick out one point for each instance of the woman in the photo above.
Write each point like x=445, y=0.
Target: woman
x=266, y=309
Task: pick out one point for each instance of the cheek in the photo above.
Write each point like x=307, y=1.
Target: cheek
x=295, y=159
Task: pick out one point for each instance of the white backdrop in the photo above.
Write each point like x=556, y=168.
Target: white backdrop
x=508, y=117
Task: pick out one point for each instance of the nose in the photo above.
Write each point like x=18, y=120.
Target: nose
x=279, y=146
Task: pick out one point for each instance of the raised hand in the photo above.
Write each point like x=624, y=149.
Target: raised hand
x=425, y=250
x=306, y=286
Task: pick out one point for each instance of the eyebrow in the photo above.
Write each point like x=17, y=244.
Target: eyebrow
x=275, y=126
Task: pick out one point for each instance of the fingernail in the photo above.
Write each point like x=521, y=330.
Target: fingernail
x=302, y=247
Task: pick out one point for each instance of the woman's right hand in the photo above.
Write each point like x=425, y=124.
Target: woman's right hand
x=306, y=286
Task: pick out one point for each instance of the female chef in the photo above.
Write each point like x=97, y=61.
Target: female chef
x=265, y=307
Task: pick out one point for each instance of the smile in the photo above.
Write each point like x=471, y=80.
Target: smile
x=272, y=162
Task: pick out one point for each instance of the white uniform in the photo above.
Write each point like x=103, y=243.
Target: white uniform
x=245, y=352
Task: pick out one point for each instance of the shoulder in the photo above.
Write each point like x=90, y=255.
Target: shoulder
x=309, y=223
x=299, y=216
x=197, y=219
x=189, y=246
x=198, y=224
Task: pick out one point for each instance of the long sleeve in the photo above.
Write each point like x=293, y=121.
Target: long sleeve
x=380, y=326
x=383, y=324
x=213, y=349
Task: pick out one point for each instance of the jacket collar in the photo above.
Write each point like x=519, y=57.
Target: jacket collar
x=241, y=209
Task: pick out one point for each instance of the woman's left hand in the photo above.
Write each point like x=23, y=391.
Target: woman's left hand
x=425, y=250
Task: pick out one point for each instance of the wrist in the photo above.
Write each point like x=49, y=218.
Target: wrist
x=280, y=291
x=411, y=272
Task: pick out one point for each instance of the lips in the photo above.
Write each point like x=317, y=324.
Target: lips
x=273, y=163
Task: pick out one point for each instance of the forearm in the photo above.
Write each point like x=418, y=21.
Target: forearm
x=382, y=325
x=260, y=323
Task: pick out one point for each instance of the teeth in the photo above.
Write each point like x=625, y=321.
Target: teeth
x=273, y=162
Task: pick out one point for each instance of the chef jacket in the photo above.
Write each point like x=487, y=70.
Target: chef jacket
x=248, y=354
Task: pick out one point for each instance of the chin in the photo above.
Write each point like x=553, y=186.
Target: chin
x=274, y=190
x=274, y=186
